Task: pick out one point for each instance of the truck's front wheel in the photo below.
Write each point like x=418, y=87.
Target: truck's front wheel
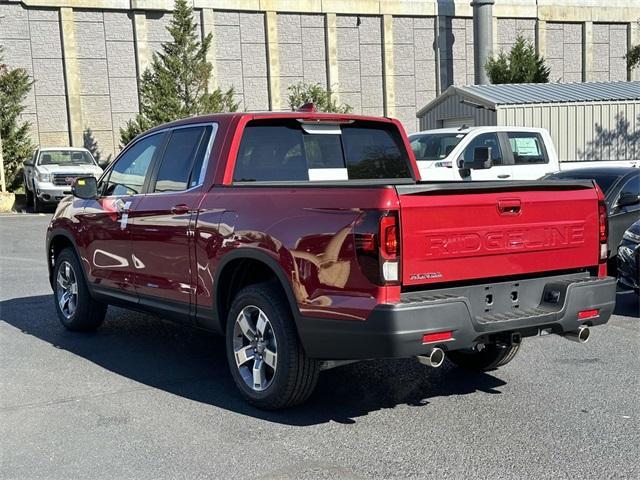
x=76, y=309
x=490, y=357
x=267, y=361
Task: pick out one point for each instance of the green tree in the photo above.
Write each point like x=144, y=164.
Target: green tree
x=301, y=93
x=17, y=147
x=176, y=85
x=521, y=65
x=633, y=57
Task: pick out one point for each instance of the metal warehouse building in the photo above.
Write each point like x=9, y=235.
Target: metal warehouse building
x=587, y=121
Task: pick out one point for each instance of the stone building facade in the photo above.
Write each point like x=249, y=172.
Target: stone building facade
x=382, y=57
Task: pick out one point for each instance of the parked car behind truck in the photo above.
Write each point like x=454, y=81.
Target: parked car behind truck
x=517, y=153
x=49, y=174
x=308, y=240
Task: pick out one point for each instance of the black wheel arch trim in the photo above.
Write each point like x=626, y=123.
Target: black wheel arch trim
x=271, y=263
x=53, y=234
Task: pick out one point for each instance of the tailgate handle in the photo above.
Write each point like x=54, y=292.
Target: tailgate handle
x=509, y=207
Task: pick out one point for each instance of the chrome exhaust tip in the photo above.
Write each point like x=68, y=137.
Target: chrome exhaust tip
x=435, y=359
x=581, y=335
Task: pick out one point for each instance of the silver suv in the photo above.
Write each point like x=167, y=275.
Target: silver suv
x=49, y=174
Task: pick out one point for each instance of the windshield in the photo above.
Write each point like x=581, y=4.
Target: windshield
x=65, y=157
x=434, y=146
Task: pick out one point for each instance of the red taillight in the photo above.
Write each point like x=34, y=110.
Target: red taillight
x=584, y=314
x=603, y=224
x=437, y=337
x=389, y=237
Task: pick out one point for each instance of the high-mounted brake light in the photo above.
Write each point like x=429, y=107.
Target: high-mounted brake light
x=307, y=107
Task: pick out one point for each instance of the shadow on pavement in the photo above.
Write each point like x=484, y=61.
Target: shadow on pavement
x=192, y=364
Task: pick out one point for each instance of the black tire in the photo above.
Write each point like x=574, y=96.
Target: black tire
x=490, y=357
x=295, y=376
x=28, y=194
x=36, y=204
x=88, y=313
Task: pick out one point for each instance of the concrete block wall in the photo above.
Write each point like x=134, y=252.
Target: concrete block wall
x=32, y=40
x=241, y=57
x=564, y=52
x=122, y=72
x=302, y=51
x=380, y=57
x=609, y=48
x=360, y=63
x=509, y=29
x=414, y=56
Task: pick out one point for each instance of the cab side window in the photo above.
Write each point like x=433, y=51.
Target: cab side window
x=128, y=175
x=182, y=159
x=485, y=140
x=527, y=148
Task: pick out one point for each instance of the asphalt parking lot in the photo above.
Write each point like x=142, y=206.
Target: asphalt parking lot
x=145, y=399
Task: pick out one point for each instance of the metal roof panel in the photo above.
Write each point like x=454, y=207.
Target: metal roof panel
x=521, y=93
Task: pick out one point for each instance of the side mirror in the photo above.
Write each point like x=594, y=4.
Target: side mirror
x=28, y=163
x=85, y=188
x=481, y=159
x=627, y=198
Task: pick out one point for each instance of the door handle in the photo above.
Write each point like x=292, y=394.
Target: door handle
x=181, y=209
x=504, y=176
x=509, y=207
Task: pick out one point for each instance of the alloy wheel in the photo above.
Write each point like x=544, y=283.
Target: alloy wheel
x=255, y=348
x=67, y=289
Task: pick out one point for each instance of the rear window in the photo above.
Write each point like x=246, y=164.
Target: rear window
x=291, y=151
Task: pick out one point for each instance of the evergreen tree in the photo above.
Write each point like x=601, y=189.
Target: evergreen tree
x=633, y=57
x=176, y=83
x=521, y=65
x=16, y=143
x=301, y=93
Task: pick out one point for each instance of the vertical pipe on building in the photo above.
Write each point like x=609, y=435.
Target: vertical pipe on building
x=207, y=26
x=388, y=66
x=482, y=37
x=633, y=38
x=331, y=42
x=587, y=51
x=273, y=60
x=71, y=76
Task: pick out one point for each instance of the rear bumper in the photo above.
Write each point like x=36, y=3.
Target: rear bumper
x=546, y=305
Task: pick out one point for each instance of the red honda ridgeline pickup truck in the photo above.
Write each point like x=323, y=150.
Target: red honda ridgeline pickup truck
x=309, y=241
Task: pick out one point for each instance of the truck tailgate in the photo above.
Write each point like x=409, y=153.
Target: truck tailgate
x=462, y=231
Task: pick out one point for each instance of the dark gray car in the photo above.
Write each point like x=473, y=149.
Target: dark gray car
x=621, y=188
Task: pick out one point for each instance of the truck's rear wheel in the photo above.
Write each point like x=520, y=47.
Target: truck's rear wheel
x=267, y=361
x=77, y=310
x=488, y=358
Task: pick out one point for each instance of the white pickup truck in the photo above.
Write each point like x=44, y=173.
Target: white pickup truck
x=490, y=153
x=50, y=173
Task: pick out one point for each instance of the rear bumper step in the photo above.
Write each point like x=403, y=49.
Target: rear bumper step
x=541, y=306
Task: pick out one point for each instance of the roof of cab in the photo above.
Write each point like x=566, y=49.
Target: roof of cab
x=228, y=117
